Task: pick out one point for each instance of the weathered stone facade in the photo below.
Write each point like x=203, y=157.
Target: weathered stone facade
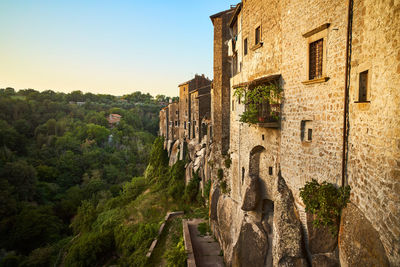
x=256, y=211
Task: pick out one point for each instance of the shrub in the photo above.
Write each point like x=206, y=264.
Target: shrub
x=325, y=201
x=220, y=174
x=207, y=189
x=192, y=189
x=228, y=162
x=176, y=256
x=203, y=228
x=224, y=187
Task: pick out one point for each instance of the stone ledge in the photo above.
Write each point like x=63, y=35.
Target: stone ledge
x=188, y=245
x=160, y=230
x=319, y=80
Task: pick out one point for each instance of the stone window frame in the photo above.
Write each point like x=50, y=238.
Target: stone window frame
x=360, y=69
x=316, y=34
x=260, y=43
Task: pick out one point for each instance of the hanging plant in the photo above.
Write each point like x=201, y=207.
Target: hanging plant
x=266, y=94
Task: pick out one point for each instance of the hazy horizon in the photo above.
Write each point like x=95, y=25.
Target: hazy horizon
x=103, y=47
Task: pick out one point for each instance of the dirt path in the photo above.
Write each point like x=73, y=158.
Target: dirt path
x=206, y=249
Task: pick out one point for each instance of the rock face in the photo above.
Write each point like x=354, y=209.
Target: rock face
x=173, y=158
x=251, y=194
x=251, y=247
x=359, y=243
x=288, y=236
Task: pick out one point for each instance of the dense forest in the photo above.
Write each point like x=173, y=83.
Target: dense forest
x=76, y=190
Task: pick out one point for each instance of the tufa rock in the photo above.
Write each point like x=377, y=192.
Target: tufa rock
x=174, y=153
x=251, y=194
x=320, y=239
x=359, y=243
x=288, y=249
x=251, y=247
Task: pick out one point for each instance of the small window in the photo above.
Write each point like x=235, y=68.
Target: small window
x=309, y=135
x=306, y=130
x=176, y=123
x=316, y=59
x=363, y=86
x=245, y=46
x=243, y=171
x=263, y=137
x=270, y=170
x=184, y=125
x=258, y=35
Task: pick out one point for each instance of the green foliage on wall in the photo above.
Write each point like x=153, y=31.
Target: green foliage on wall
x=326, y=201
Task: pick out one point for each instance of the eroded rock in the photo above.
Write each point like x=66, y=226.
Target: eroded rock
x=251, y=194
x=359, y=243
x=251, y=247
x=174, y=153
x=288, y=240
x=320, y=239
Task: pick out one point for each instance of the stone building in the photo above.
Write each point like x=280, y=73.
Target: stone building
x=173, y=122
x=337, y=120
x=163, y=129
x=185, y=89
x=200, y=105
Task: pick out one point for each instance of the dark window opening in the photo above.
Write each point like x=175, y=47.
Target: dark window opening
x=263, y=137
x=309, y=135
x=184, y=125
x=245, y=46
x=315, y=57
x=363, y=86
x=243, y=171
x=258, y=35
x=270, y=170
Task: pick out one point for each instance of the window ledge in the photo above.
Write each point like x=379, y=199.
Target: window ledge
x=268, y=124
x=256, y=46
x=362, y=102
x=318, y=80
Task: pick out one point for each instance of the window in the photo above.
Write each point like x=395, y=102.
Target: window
x=176, y=112
x=306, y=130
x=243, y=171
x=245, y=46
x=176, y=123
x=315, y=59
x=258, y=35
x=363, y=86
x=184, y=125
x=309, y=135
x=316, y=47
x=270, y=171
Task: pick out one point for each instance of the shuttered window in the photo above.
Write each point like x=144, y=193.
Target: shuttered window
x=316, y=57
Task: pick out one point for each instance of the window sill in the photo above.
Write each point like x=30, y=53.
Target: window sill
x=256, y=46
x=318, y=80
x=268, y=124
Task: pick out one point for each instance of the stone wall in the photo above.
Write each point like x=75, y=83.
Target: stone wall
x=374, y=131
x=221, y=82
x=173, y=115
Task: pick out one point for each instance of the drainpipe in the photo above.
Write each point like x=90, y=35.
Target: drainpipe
x=346, y=125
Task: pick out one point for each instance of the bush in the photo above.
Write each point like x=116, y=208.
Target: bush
x=220, y=174
x=192, y=189
x=207, y=189
x=203, y=228
x=228, y=162
x=176, y=257
x=224, y=187
x=325, y=201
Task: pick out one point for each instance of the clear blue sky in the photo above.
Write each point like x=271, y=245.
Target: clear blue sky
x=114, y=46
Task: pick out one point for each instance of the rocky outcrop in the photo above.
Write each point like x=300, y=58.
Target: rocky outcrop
x=288, y=250
x=174, y=155
x=322, y=244
x=251, y=196
x=251, y=247
x=359, y=243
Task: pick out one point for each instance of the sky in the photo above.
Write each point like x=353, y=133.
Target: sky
x=110, y=47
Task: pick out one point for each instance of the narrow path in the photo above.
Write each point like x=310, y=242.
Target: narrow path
x=206, y=249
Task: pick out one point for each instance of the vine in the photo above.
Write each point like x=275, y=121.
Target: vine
x=270, y=93
x=326, y=201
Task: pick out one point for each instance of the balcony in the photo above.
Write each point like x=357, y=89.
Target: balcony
x=262, y=103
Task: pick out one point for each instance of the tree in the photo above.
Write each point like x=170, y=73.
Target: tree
x=23, y=177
